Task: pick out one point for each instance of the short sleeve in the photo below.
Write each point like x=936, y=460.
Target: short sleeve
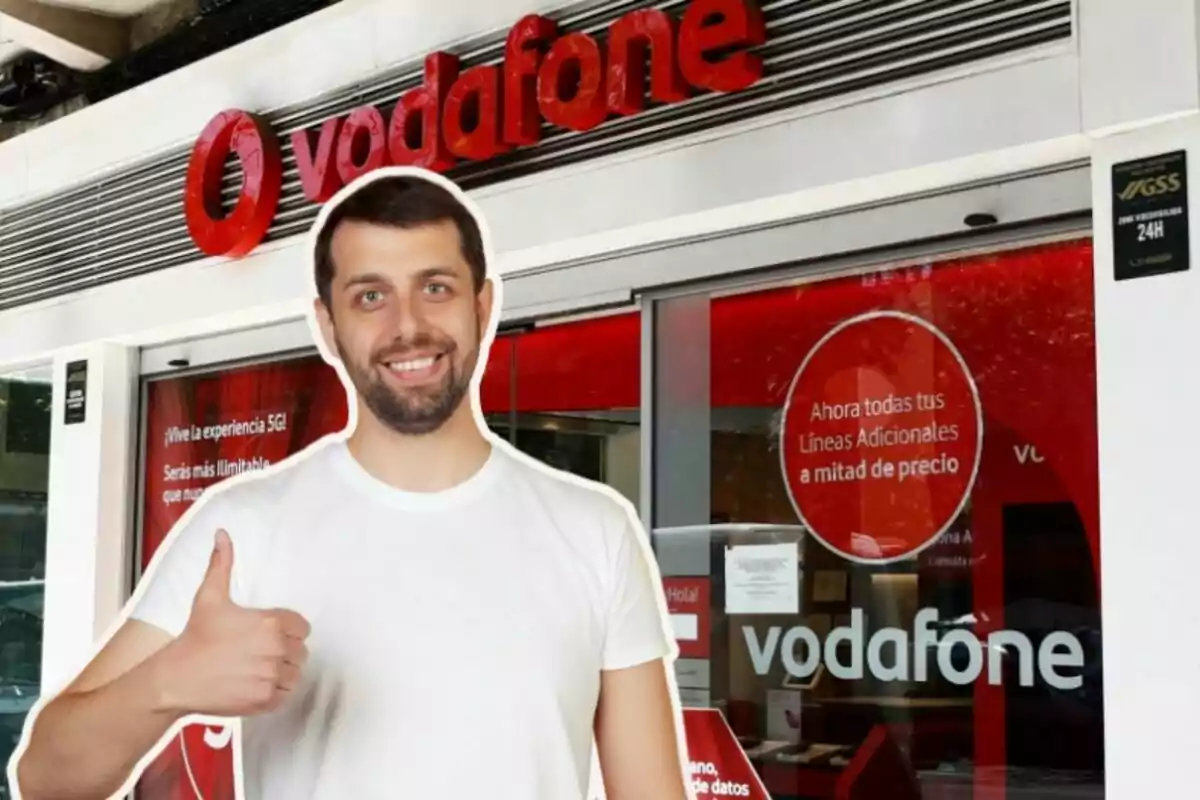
x=164, y=595
x=637, y=629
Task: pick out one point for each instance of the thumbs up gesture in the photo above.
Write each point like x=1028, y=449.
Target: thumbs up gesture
x=232, y=661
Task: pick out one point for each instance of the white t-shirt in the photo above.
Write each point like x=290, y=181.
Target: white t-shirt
x=457, y=637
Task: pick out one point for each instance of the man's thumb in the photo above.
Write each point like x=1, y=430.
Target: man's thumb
x=220, y=569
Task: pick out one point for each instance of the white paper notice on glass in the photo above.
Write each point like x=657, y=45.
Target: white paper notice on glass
x=762, y=579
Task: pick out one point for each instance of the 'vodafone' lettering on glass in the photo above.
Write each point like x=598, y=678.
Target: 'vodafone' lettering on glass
x=888, y=653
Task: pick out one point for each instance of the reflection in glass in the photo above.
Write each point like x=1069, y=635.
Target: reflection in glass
x=24, y=477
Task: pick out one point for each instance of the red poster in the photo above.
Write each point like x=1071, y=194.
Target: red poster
x=200, y=431
x=881, y=437
x=717, y=764
x=688, y=603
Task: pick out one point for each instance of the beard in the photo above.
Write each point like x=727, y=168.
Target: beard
x=419, y=410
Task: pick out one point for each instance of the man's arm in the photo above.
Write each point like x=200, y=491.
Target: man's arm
x=637, y=732
x=637, y=740
x=226, y=661
x=101, y=724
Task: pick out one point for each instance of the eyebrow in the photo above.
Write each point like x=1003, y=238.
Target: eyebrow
x=425, y=274
x=358, y=280
x=439, y=272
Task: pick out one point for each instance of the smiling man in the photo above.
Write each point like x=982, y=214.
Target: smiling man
x=410, y=611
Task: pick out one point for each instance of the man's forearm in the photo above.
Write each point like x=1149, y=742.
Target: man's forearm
x=101, y=734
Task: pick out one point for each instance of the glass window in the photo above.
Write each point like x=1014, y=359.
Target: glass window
x=876, y=514
x=199, y=430
x=202, y=429
x=567, y=394
x=24, y=480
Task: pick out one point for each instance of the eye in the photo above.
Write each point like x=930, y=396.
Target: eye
x=437, y=288
x=369, y=297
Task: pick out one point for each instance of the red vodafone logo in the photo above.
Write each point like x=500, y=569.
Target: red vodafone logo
x=240, y=231
x=207, y=754
x=881, y=437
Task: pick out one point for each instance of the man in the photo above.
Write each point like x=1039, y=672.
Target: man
x=412, y=611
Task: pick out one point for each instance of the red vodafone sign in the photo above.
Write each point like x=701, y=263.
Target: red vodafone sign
x=881, y=437
x=717, y=764
x=570, y=80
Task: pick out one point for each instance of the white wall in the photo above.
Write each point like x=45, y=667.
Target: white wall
x=90, y=491
x=1149, y=391
x=1139, y=60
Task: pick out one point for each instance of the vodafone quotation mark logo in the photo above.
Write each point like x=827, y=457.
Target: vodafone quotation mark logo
x=204, y=748
x=219, y=738
x=881, y=438
x=238, y=232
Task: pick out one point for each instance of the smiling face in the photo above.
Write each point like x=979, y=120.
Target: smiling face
x=405, y=318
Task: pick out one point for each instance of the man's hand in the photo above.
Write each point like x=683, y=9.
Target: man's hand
x=231, y=661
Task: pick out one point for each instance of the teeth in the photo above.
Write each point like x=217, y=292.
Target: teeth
x=411, y=366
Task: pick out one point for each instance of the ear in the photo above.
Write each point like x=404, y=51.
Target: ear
x=485, y=304
x=325, y=323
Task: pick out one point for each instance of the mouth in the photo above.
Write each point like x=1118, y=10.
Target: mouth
x=416, y=369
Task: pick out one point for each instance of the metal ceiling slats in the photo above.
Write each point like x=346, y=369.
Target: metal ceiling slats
x=131, y=222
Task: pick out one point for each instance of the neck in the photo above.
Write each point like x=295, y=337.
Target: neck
x=432, y=462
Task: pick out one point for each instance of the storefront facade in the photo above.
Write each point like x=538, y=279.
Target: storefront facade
x=807, y=216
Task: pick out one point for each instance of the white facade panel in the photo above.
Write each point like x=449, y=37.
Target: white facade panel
x=1132, y=56
x=923, y=139
x=1148, y=393
x=87, y=535
x=976, y=126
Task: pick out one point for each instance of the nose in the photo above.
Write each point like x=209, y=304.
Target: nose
x=408, y=321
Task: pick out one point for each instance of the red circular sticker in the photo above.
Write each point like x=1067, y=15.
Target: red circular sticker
x=881, y=437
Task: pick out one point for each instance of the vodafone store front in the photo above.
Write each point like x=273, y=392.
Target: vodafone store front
x=837, y=294
x=873, y=496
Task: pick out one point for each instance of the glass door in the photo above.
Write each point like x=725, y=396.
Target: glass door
x=876, y=514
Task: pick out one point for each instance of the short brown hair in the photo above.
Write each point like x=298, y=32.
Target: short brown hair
x=403, y=202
